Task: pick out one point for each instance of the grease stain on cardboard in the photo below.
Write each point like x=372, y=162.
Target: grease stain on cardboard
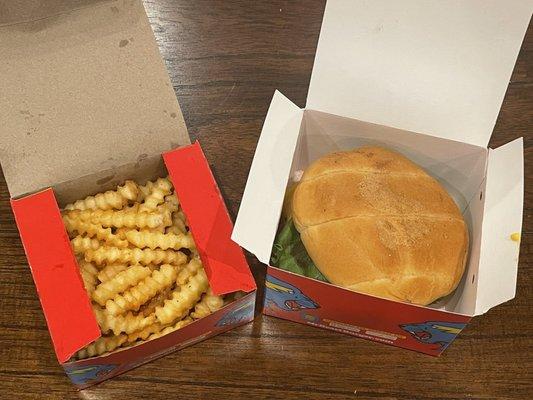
x=123, y=43
x=140, y=159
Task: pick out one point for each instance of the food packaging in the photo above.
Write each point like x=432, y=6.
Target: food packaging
x=86, y=104
x=424, y=78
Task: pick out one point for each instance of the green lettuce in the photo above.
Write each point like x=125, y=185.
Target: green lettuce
x=289, y=253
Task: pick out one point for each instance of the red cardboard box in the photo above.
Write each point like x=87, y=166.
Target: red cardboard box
x=87, y=103
x=424, y=78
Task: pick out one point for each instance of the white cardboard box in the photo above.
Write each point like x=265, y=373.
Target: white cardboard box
x=423, y=77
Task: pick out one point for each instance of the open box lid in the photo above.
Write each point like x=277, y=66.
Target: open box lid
x=429, y=66
x=83, y=89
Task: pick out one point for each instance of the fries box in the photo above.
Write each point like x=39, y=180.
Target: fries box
x=86, y=103
x=424, y=78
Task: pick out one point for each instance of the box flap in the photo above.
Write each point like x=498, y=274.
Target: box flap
x=210, y=223
x=429, y=66
x=65, y=303
x=82, y=91
x=504, y=202
x=262, y=200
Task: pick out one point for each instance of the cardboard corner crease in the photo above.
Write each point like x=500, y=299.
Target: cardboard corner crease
x=87, y=103
x=397, y=75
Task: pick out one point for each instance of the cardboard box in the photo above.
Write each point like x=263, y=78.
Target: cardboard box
x=424, y=78
x=87, y=103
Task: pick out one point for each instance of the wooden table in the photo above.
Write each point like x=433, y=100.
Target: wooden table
x=225, y=59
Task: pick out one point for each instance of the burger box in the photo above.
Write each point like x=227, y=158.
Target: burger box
x=85, y=103
x=425, y=78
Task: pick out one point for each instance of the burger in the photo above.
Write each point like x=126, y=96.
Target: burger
x=372, y=221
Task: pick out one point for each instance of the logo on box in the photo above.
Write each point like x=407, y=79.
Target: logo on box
x=286, y=297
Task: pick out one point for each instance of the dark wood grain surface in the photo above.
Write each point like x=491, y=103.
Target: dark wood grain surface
x=225, y=59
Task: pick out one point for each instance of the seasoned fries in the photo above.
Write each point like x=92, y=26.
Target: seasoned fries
x=77, y=227
x=109, y=271
x=81, y=244
x=119, y=283
x=139, y=264
x=127, y=323
x=183, y=299
x=108, y=200
x=88, y=274
x=108, y=255
x=132, y=299
x=154, y=240
x=156, y=194
x=129, y=218
x=208, y=305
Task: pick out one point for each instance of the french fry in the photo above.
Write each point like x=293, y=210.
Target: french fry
x=178, y=225
x=101, y=318
x=172, y=203
x=159, y=240
x=139, y=294
x=119, y=283
x=109, y=271
x=121, y=232
x=129, y=218
x=158, y=300
x=159, y=229
x=207, y=305
x=130, y=261
x=80, y=244
x=102, y=345
x=169, y=329
x=108, y=200
x=144, y=191
x=110, y=255
x=160, y=188
x=190, y=269
x=183, y=299
x=144, y=333
x=88, y=274
x=179, y=214
x=127, y=323
x=80, y=227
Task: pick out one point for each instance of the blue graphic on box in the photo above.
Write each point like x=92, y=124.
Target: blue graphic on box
x=434, y=332
x=88, y=373
x=285, y=296
x=244, y=312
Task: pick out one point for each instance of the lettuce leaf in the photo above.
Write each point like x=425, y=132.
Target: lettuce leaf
x=289, y=253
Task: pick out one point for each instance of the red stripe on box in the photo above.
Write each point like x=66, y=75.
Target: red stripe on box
x=209, y=221
x=65, y=303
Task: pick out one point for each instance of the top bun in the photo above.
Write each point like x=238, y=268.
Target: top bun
x=376, y=223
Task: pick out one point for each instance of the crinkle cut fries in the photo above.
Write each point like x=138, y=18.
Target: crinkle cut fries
x=139, y=264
